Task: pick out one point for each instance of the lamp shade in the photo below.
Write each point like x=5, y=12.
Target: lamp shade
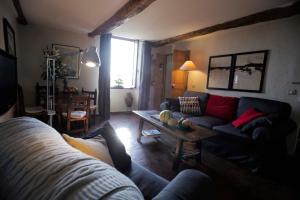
x=188, y=66
x=91, y=58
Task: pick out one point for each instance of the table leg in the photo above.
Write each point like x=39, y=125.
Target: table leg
x=178, y=153
x=140, y=130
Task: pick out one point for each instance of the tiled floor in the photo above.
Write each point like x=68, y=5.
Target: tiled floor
x=231, y=181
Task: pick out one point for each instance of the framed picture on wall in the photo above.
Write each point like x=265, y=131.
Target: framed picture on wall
x=70, y=58
x=238, y=72
x=9, y=38
x=249, y=71
x=219, y=72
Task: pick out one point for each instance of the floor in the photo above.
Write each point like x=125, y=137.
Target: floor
x=231, y=181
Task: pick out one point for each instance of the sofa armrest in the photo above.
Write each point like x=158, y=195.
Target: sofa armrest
x=262, y=133
x=164, y=105
x=189, y=184
x=278, y=131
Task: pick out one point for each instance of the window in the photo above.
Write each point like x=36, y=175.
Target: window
x=123, y=63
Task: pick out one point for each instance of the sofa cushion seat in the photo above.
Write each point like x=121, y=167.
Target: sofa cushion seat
x=231, y=130
x=207, y=121
x=149, y=183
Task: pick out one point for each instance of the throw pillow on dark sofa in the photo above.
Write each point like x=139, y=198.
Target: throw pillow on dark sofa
x=247, y=117
x=221, y=107
x=264, y=121
x=190, y=105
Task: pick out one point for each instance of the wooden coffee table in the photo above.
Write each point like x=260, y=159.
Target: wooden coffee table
x=196, y=135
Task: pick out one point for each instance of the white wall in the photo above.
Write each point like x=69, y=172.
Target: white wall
x=281, y=37
x=117, y=99
x=35, y=38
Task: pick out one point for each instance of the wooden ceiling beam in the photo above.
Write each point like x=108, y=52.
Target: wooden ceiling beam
x=267, y=15
x=130, y=9
x=21, y=17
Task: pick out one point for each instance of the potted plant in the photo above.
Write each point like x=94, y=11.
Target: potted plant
x=62, y=71
x=119, y=84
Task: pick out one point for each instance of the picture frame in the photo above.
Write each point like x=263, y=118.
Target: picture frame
x=219, y=72
x=9, y=38
x=70, y=56
x=245, y=73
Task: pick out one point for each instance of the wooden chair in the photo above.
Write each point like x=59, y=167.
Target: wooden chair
x=41, y=95
x=77, y=110
x=93, y=101
x=33, y=111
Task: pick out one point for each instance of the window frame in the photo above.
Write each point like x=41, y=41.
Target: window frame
x=136, y=43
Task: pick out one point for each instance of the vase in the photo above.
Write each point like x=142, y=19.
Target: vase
x=129, y=100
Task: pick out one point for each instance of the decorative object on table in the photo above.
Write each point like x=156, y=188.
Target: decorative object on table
x=238, y=72
x=71, y=90
x=119, y=84
x=165, y=115
x=9, y=38
x=129, y=100
x=184, y=125
x=69, y=57
x=172, y=122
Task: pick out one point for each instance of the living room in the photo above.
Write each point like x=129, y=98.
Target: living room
x=190, y=100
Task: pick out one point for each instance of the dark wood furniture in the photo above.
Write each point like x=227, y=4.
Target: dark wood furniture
x=196, y=135
x=41, y=95
x=33, y=111
x=93, y=101
x=77, y=110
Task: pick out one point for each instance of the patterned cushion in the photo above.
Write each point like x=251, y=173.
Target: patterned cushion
x=189, y=105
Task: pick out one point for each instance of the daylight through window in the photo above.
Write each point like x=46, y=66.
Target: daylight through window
x=123, y=63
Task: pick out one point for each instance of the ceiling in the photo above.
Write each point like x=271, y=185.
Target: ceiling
x=81, y=16
x=162, y=19
x=167, y=18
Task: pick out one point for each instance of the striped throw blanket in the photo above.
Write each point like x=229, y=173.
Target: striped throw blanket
x=36, y=163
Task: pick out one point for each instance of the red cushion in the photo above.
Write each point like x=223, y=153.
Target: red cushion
x=221, y=107
x=246, y=117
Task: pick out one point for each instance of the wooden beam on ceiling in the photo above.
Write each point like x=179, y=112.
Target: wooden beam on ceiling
x=21, y=18
x=130, y=9
x=267, y=15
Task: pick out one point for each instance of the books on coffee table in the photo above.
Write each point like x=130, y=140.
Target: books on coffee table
x=151, y=133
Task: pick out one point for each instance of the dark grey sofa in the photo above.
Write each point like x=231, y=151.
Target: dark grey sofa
x=263, y=144
x=187, y=185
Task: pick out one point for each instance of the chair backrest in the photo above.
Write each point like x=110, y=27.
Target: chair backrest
x=41, y=95
x=20, y=107
x=78, y=102
x=92, y=95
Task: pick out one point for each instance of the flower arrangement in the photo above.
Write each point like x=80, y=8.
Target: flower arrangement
x=61, y=69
